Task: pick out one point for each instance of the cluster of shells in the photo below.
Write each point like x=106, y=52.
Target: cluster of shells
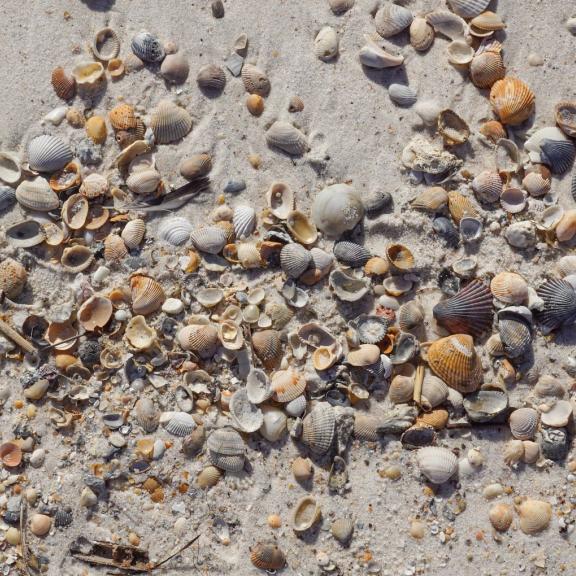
x=174, y=334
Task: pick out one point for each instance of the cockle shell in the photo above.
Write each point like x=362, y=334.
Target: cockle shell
x=76, y=258
x=410, y=315
x=178, y=423
x=147, y=415
x=147, y=295
x=294, y=260
x=514, y=327
x=565, y=113
x=199, y=338
x=326, y=44
x=437, y=464
x=75, y=211
x=88, y=74
x=296, y=104
x=468, y=8
x=247, y=417
x=487, y=66
x=535, y=516
x=524, y=423
x=318, y=428
x=106, y=44
x=175, y=230
x=13, y=277
x=94, y=186
x=486, y=23
x=286, y=137
x=114, y=248
x=460, y=206
x=48, y=153
x=210, y=239
x=244, y=221
x=267, y=556
x=37, y=195
x=512, y=100
x=402, y=95
x=351, y=254
x=452, y=128
x=487, y=186
x=342, y=530
x=147, y=47
x=175, y=68
x=391, y=19
x=397, y=285
x=559, y=305
x=133, y=233
x=196, y=166
x=139, y=334
x=95, y=312
x=64, y=85
x=280, y=199
x=267, y=347
x=557, y=154
x=255, y=80
x=306, y=514
x=434, y=393
x=372, y=56
x=509, y=287
x=454, y=360
x=170, y=122
x=226, y=449
x=493, y=130
x=336, y=209
x=208, y=477
x=501, y=516
x=211, y=78
x=536, y=184
x=431, y=200
x=447, y=23
x=60, y=334
x=287, y=385
x=123, y=117
x=347, y=287
x=421, y=34
x=401, y=389
x=485, y=405
x=364, y=355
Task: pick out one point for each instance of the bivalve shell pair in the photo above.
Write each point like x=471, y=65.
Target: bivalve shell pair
x=170, y=122
x=226, y=449
x=437, y=464
x=286, y=137
x=48, y=153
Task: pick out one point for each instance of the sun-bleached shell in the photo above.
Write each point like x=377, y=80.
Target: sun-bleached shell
x=501, y=516
x=147, y=47
x=402, y=95
x=170, y=122
x=336, y=209
x=512, y=100
x=421, y=34
x=210, y=239
x=37, y=195
x=133, y=233
x=76, y=258
x=106, y=44
x=196, y=166
x=287, y=385
x=286, y=137
x=447, y=23
x=391, y=19
x=255, y=80
x=347, y=287
x=318, y=428
x=175, y=68
x=244, y=221
x=147, y=295
x=280, y=199
x=559, y=415
x=178, y=423
x=372, y=56
x=226, y=449
x=175, y=230
x=211, y=78
x=437, y=464
x=247, y=417
x=48, y=153
x=535, y=516
x=487, y=186
x=524, y=423
x=460, y=53
x=139, y=334
x=326, y=44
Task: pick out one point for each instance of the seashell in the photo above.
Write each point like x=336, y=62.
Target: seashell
x=286, y=137
x=302, y=469
x=114, y=248
x=48, y=153
x=342, y=530
x=431, y=200
x=437, y=464
x=287, y=385
x=60, y=335
x=405, y=348
x=460, y=53
x=106, y=44
x=208, y=477
x=391, y=19
x=400, y=257
x=566, y=228
x=25, y=234
x=486, y=22
x=147, y=295
x=75, y=211
x=434, y=393
x=565, y=113
x=210, y=239
x=267, y=556
x=485, y=405
x=306, y=514
x=200, y=338
x=247, y=417
x=465, y=267
x=318, y=428
x=175, y=68
x=514, y=326
x=211, y=78
x=267, y=347
x=326, y=44
x=421, y=34
x=397, y=285
x=559, y=305
x=452, y=128
x=280, y=200
x=296, y=104
x=37, y=195
x=67, y=178
x=301, y=227
x=460, y=206
x=566, y=266
x=351, y=254
x=535, y=184
x=418, y=436
x=364, y=355
x=437, y=419
x=468, y=8
x=88, y=74
x=294, y=260
x=410, y=315
x=147, y=47
x=470, y=229
x=96, y=129
x=13, y=278
x=376, y=266
x=139, y=334
x=493, y=130
x=523, y=423
x=76, y=258
x=296, y=407
x=258, y=386
x=447, y=23
x=178, y=423
x=487, y=186
x=209, y=297
x=401, y=389
x=116, y=68
x=230, y=335
x=255, y=80
x=9, y=168
x=315, y=335
x=196, y=166
x=402, y=95
x=10, y=454
x=509, y=287
x=549, y=386
x=558, y=155
x=371, y=329
x=175, y=231
x=255, y=104
x=372, y=56
x=133, y=233
x=559, y=415
x=226, y=449
x=7, y=197
x=64, y=86
x=487, y=66
x=123, y=117
x=512, y=100
x=468, y=312
x=94, y=186
x=147, y=416
x=95, y=312
x=244, y=221
x=336, y=209
x=454, y=360
x=169, y=122
x=501, y=516
x=347, y=287
x=535, y=516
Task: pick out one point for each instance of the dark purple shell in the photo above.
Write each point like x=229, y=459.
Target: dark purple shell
x=559, y=305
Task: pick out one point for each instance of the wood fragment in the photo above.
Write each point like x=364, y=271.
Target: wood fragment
x=418, y=381
x=17, y=338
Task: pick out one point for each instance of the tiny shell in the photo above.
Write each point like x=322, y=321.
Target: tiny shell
x=535, y=516
x=437, y=464
x=170, y=122
x=48, y=153
x=267, y=556
x=296, y=104
x=88, y=74
x=211, y=78
x=565, y=113
x=306, y=514
x=512, y=100
x=326, y=44
x=37, y=195
x=10, y=454
x=40, y=524
x=64, y=85
x=147, y=295
x=147, y=47
x=106, y=44
x=286, y=137
x=391, y=19
x=255, y=80
x=133, y=233
x=501, y=516
x=421, y=34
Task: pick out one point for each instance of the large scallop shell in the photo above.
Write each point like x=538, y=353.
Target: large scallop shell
x=37, y=195
x=421, y=34
x=512, y=100
x=211, y=78
x=524, y=423
x=226, y=449
x=306, y=514
x=244, y=221
x=210, y=239
x=509, y=287
x=255, y=80
x=437, y=464
x=318, y=428
x=454, y=360
x=487, y=66
x=267, y=347
x=76, y=258
x=514, y=327
x=170, y=122
x=48, y=153
x=559, y=305
x=64, y=85
x=147, y=295
x=286, y=137
x=468, y=312
x=133, y=233
x=391, y=19
x=294, y=260
x=147, y=47
x=280, y=199
x=267, y=556
x=326, y=44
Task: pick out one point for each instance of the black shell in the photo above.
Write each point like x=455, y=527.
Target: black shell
x=515, y=332
x=559, y=305
x=351, y=253
x=558, y=154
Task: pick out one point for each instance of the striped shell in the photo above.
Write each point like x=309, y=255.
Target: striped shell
x=295, y=104
x=12, y=278
x=144, y=181
x=509, y=287
x=267, y=556
x=76, y=258
x=421, y=34
x=342, y=529
x=318, y=428
x=294, y=260
x=226, y=449
x=255, y=80
x=340, y=6
x=287, y=385
x=454, y=360
x=133, y=233
x=106, y=44
x=286, y=137
x=391, y=19
x=175, y=230
x=244, y=221
x=37, y=195
x=515, y=330
x=524, y=423
x=487, y=66
x=147, y=47
x=147, y=295
x=366, y=427
x=296, y=407
x=351, y=254
x=178, y=423
x=493, y=130
x=501, y=516
x=512, y=100
x=210, y=239
x=123, y=117
x=536, y=184
x=7, y=197
x=468, y=8
x=565, y=113
x=431, y=200
x=199, y=338
x=170, y=122
x=146, y=414
x=48, y=153
x=64, y=85
x=402, y=95
x=460, y=206
x=487, y=186
x=558, y=154
x=267, y=347
x=326, y=44
x=306, y=514
x=437, y=464
x=559, y=305
x=195, y=166
x=211, y=78
x=208, y=477
x=468, y=312
x=535, y=516
x=75, y=211
x=114, y=248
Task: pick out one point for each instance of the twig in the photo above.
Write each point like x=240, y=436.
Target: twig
x=17, y=338
x=418, y=381
x=179, y=551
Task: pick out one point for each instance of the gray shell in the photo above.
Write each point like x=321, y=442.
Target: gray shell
x=210, y=239
x=294, y=260
x=402, y=95
x=48, y=153
x=558, y=154
x=559, y=305
x=347, y=287
x=7, y=197
x=351, y=253
x=246, y=416
x=485, y=405
x=336, y=209
x=244, y=220
x=25, y=234
x=255, y=80
x=391, y=19
x=318, y=428
x=468, y=8
x=147, y=47
x=175, y=230
x=286, y=137
x=515, y=331
x=146, y=414
x=211, y=78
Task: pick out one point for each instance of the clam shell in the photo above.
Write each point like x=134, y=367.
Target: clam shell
x=351, y=254
x=9, y=168
x=421, y=34
x=244, y=221
x=48, y=153
x=67, y=178
x=437, y=464
x=267, y=556
x=230, y=335
x=512, y=100
x=501, y=516
x=559, y=415
x=64, y=85
x=114, y=248
x=76, y=258
x=133, y=233
x=494, y=346
x=515, y=330
x=95, y=312
x=294, y=260
x=296, y=104
x=287, y=385
x=364, y=355
x=258, y=386
x=37, y=195
x=302, y=469
x=178, y=423
x=366, y=427
x=318, y=428
x=246, y=417
x=402, y=95
x=391, y=19
x=106, y=44
x=470, y=229
x=296, y=407
x=487, y=66
x=535, y=184
x=454, y=360
x=487, y=21
x=147, y=295
x=306, y=514
x=340, y=6
x=280, y=199
x=509, y=287
x=13, y=277
x=267, y=347
x=468, y=8
x=460, y=206
x=255, y=80
x=452, y=128
x=487, y=186
x=535, y=516
x=447, y=23
x=434, y=393
x=460, y=53
x=10, y=454
x=211, y=78
x=431, y=200
x=175, y=230
x=170, y=122
x=286, y=137
x=401, y=389
x=565, y=113
x=301, y=227
x=558, y=155
x=59, y=335
x=485, y=405
x=175, y=68
x=196, y=166
x=139, y=334
x=347, y=287
x=147, y=47
x=315, y=335
x=88, y=74
x=210, y=239
x=209, y=297
x=75, y=211
x=493, y=130
x=400, y=257
x=144, y=181
x=372, y=56
x=524, y=423
x=208, y=477
x=226, y=449
x=566, y=228
x=200, y=338
x=146, y=414
x=559, y=305
x=336, y=209
x=326, y=44
x=342, y=530
x=468, y=312
x=94, y=186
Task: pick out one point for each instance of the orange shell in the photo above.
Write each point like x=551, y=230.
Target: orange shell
x=512, y=100
x=64, y=86
x=10, y=454
x=267, y=347
x=460, y=206
x=493, y=130
x=267, y=556
x=122, y=117
x=114, y=248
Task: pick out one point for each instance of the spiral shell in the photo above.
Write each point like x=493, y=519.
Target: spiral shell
x=559, y=305
x=535, y=516
x=318, y=428
x=210, y=239
x=64, y=85
x=267, y=556
x=13, y=278
x=170, y=122
x=226, y=449
x=199, y=338
x=509, y=287
x=48, y=153
x=286, y=137
x=255, y=80
x=501, y=516
x=512, y=100
x=437, y=464
x=147, y=295
x=37, y=195
x=421, y=34
x=391, y=19
x=524, y=423
x=147, y=47
x=146, y=414
x=267, y=347
x=133, y=233
x=211, y=78
x=326, y=44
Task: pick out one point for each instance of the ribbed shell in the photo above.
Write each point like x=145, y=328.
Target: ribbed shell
x=512, y=100
x=147, y=295
x=351, y=254
x=454, y=360
x=468, y=8
x=64, y=85
x=146, y=414
x=559, y=305
x=208, y=477
x=535, y=516
x=147, y=47
x=493, y=130
x=515, y=332
x=326, y=44
x=524, y=423
x=48, y=153
x=267, y=556
x=175, y=230
x=294, y=260
x=558, y=154
x=486, y=68
x=468, y=312
x=447, y=23
x=178, y=423
x=200, y=338
x=402, y=95
x=196, y=166
x=391, y=19
x=244, y=220
x=342, y=529
x=267, y=347
x=421, y=34
x=284, y=136
x=501, y=516
x=318, y=428
x=536, y=184
x=255, y=80
x=431, y=199
x=366, y=427
x=211, y=78
x=7, y=197
x=287, y=385
x=123, y=117
x=565, y=113
x=460, y=206
x=371, y=329
x=401, y=389
x=114, y=248
x=437, y=464
x=12, y=278
x=509, y=287
x=170, y=122
x=210, y=239
x=410, y=315
x=487, y=186
x=37, y=195
x=226, y=449
x=144, y=181
x=106, y=44
x=133, y=233
x=434, y=392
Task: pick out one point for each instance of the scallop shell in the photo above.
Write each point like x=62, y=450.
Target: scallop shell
x=133, y=233
x=255, y=80
x=294, y=260
x=301, y=227
x=437, y=464
x=106, y=44
x=487, y=186
x=342, y=530
x=468, y=312
x=535, y=516
x=524, y=423
x=267, y=556
x=267, y=347
x=487, y=66
x=434, y=393
x=402, y=95
x=76, y=258
x=48, y=153
x=286, y=137
x=114, y=248
x=493, y=130
x=170, y=122
x=326, y=44
x=565, y=113
x=211, y=78
x=247, y=417
x=351, y=254
x=88, y=74
x=421, y=34
x=515, y=330
x=147, y=47
x=460, y=53
x=452, y=128
x=146, y=414
x=178, y=423
x=454, y=360
x=13, y=278
x=512, y=100
x=372, y=56
x=64, y=85
x=391, y=19
x=37, y=195
x=501, y=516
x=244, y=221
x=535, y=184
x=226, y=449
x=147, y=295
x=175, y=230
x=558, y=154
x=510, y=288
x=95, y=312
x=210, y=239
x=468, y=8
x=306, y=514
x=460, y=206
x=196, y=166
x=287, y=385
x=200, y=338
x=280, y=199
x=559, y=305
x=447, y=23
x=75, y=211
x=318, y=428
x=347, y=287
x=139, y=334
x=431, y=200
x=208, y=477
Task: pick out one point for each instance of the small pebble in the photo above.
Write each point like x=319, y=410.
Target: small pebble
x=88, y=498
x=173, y=306
x=13, y=536
x=217, y=9
x=37, y=458
x=535, y=59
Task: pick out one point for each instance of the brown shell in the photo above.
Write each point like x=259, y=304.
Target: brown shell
x=565, y=114
x=437, y=419
x=460, y=206
x=114, y=248
x=493, y=130
x=147, y=295
x=501, y=516
x=400, y=257
x=200, y=338
x=486, y=69
x=67, y=178
x=123, y=117
x=267, y=347
x=255, y=104
x=267, y=556
x=64, y=86
x=432, y=199
x=13, y=277
x=10, y=454
x=512, y=100
x=75, y=211
x=453, y=129
x=255, y=80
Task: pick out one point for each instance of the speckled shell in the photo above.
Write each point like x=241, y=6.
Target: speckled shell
x=208, y=477
x=460, y=206
x=351, y=254
x=437, y=464
x=64, y=85
x=326, y=44
x=286, y=137
x=487, y=186
x=146, y=414
x=210, y=239
x=195, y=166
x=565, y=113
x=421, y=34
x=76, y=258
x=226, y=449
x=170, y=122
x=211, y=78
x=178, y=423
x=75, y=211
x=515, y=330
x=244, y=221
x=468, y=8
x=318, y=428
x=454, y=360
x=501, y=516
x=48, y=153
x=294, y=260
x=175, y=230
x=114, y=248
x=402, y=95
x=468, y=312
x=37, y=195
x=535, y=516
x=267, y=347
x=133, y=233
x=487, y=66
x=106, y=44
x=431, y=200
x=401, y=389
x=391, y=19
x=255, y=80
x=123, y=117
x=200, y=338
x=147, y=295
x=509, y=287
x=147, y=47
x=512, y=100
x=267, y=556
x=287, y=385
x=13, y=278
x=524, y=423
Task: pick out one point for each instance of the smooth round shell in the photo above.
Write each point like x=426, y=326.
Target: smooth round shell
x=175, y=68
x=196, y=166
x=336, y=209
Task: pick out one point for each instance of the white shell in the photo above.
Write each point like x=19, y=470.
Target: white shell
x=336, y=209
x=133, y=233
x=210, y=239
x=372, y=56
x=296, y=407
x=178, y=423
x=175, y=230
x=258, y=386
x=280, y=199
x=244, y=220
x=170, y=122
x=559, y=415
x=9, y=168
x=460, y=53
x=437, y=464
x=326, y=44
x=286, y=137
x=523, y=423
x=447, y=24
x=402, y=95
x=144, y=181
x=294, y=260
x=274, y=424
x=391, y=19
x=37, y=195
x=246, y=416
x=468, y=8
x=48, y=153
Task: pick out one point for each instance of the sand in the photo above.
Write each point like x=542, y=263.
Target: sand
x=356, y=135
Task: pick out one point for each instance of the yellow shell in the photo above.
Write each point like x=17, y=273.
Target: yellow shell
x=437, y=419
x=301, y=227
x=147, y=295
x=376, y=266
x=96, y=129
x=460, y=206
x=512, y=100
x=13, y=277
x=123, y=117
x=255, y=104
